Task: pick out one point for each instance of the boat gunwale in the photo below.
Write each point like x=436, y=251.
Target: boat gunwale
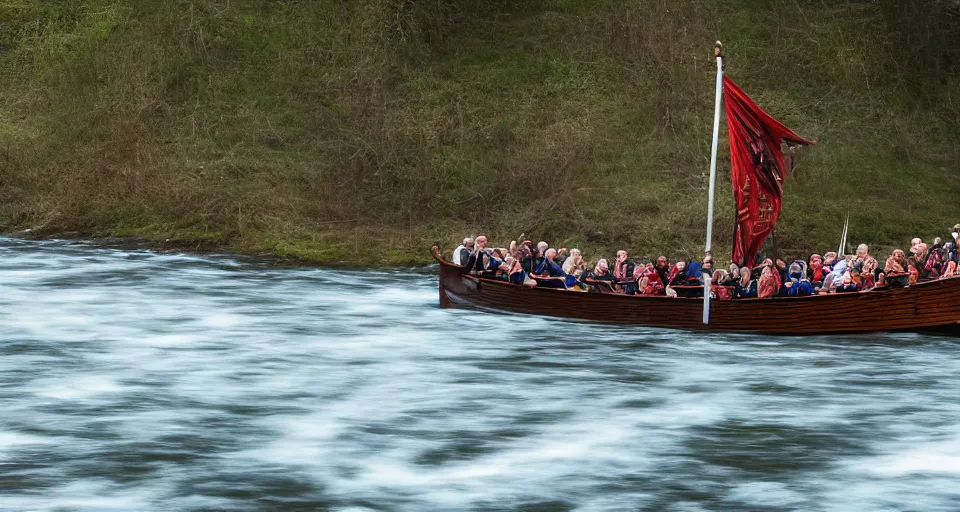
x=436, y=254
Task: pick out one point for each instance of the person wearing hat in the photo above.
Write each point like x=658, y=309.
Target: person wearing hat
x=917, y=260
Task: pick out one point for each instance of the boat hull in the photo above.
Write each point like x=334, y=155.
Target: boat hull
x=929, y=305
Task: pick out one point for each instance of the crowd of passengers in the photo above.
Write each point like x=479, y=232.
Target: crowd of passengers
x=539, y=265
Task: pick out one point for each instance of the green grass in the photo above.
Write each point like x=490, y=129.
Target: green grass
x=362, y=132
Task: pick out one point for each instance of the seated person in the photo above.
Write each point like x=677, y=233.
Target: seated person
x=678, y=274
x=895, y=272
x=492, y=264
x=848, y=284
x=769, y=284
x=600, y=272
x=539, y=255
x=692, y=286
x=517, y=275
x=717, y=289
x=662, y=266
x=574, y=264
x=863, y=257
x=732, y=276
x=649, y=282
x=478, y=260
x=601, y=277
x=694, y=274
x=747, y=287
x=528, y=256
x=951, y=270
x=781, y=268
x=952, y=245
x=550, y=273
x=797, y=283
x=623, y=269
x=934, y=265
x=869, y=274
x=829, y=260
x=917, y=261
x=706, y=267
x=462, y=253
x=816, y=271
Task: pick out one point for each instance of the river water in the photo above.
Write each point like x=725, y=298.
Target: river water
x=136, y=380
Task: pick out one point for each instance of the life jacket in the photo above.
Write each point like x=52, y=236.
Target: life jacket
x=749, y=292
x=721, y=292
x=549, y=268
x=934, y=263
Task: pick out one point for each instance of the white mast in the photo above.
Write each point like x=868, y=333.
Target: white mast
x=718, y=52
x=843, y=238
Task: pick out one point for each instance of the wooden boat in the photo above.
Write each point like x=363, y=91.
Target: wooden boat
x=758, y=171
x=930, y=305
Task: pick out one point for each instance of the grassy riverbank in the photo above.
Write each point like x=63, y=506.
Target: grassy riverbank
x=365, y=131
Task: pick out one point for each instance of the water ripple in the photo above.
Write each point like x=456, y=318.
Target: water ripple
x=136, y=380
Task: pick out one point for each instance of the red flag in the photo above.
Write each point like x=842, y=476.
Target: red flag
x=756, y=168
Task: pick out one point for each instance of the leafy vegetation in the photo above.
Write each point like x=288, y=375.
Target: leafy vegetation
x=365, y=131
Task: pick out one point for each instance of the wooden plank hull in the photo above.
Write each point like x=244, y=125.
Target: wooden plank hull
x=928, y=305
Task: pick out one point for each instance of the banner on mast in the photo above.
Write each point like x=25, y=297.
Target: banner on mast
x=757, y=169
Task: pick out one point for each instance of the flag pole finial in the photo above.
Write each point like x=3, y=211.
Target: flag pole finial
x=718, y=49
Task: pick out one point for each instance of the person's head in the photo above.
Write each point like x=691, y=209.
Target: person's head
x=829, y=258
x=563, y=250
x=919, y=249
x=816, y=259
x=707, y=262
x=734, y=271
x=523, y=251
x=915, y=241
x=662, y=262
x=956, y=231
x=509, y=262
x=481, y=242
x=719, y=275
x=550, y=254
x=575, y=255
x=938, y=241
x=744, y=276
x=603, y=265
x=468, y=242
x=869, y=266
x=898, y=255
x=643, y=282
x=542, y=247
x=498, y=254
x=863, y=251
x=681, y=265
x=794, y=270
x=855, y=275
x=621, y=255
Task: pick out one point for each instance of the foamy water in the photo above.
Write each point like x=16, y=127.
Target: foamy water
x=132, y=380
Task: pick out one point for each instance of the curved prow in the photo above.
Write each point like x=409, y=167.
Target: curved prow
x=449, y=276
x=435, y=251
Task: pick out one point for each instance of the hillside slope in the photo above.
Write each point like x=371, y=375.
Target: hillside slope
x=364, y=131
